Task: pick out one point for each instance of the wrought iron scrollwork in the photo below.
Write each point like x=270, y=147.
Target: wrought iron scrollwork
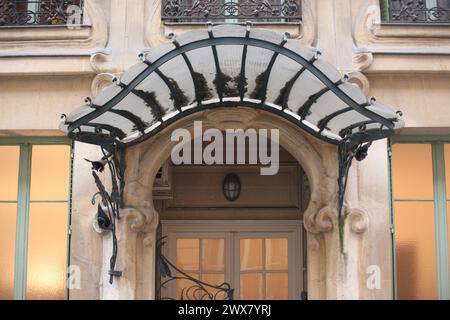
x=418, y=11
x=347, y=151
x=192, y=10
x=199, y=290
x=108, y=212
x=355, y=146
x=40, y=12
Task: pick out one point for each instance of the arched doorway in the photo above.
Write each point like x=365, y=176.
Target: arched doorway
x=250, y=248
x=301, y=154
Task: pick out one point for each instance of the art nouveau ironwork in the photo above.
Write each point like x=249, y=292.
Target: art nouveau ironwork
x=108, y=211
x=189, y=76
x=197, y=290
x=416, y=11
x=233, y=66
x=40, y=12
x=239, y=10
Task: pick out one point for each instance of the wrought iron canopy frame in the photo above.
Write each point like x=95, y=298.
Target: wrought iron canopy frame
x=386, y=129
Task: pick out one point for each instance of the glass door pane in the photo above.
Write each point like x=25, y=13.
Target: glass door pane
x=9, y=172
x=188, y=254
x=202, y=259
x=251, y=282
x=7, y=249
x=415, y=250
x=9, y=177
x=264, y=268
x=251, y=286
x=47, y=251
x=412, y=171
x=50, y=172
x=277, y=254
x=251, y=254
x=186, y=289
x=276, y=286
x=448, y=231
x=48, y=222
x=213, y=255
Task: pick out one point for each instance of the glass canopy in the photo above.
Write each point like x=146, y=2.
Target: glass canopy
x=229, y=66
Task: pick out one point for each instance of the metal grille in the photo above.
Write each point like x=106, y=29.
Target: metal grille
x=416, y=11
x=189, y=11
x=41, y=12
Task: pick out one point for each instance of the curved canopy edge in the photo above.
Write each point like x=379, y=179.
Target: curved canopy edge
x=231, y=66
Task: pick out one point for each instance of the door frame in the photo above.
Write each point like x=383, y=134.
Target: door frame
x=293, y=229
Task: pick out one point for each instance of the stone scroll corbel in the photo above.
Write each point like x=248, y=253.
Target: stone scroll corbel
x=359, y=79
x=322, y=221
x=366, y=22
x=101, y=81
x=362, y=59
x=100, y=61
x=358, y=220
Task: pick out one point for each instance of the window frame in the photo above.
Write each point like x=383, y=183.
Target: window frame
x=192, y=21
x=23, y=205
x=440, y=208
x=35, y=11
x=386, y=17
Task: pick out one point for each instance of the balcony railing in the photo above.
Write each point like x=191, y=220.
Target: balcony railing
x=40, y=12
x=237, y=11
x=415, y=11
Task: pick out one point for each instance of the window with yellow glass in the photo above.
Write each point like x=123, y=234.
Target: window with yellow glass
x=34, y=219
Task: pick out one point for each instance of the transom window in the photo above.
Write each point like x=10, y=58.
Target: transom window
x=34, y=219
x=421, y=203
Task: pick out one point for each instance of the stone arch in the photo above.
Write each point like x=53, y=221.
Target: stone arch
x=144, y=160
x=316, y=158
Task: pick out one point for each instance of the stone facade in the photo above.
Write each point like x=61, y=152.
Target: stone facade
x=46, y=72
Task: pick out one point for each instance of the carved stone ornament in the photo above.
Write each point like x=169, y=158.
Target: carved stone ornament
x=370, y=33
x=362, y=60
x=358, y=220
x=99, y=61
x=322, y=221
x=361, y=81
x=100, y=82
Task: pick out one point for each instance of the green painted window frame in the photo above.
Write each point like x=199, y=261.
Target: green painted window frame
x=384, y=10
x=440, y=209
x=23, y=205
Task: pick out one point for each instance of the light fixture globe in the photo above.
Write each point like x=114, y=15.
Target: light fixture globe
x=231, y=187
